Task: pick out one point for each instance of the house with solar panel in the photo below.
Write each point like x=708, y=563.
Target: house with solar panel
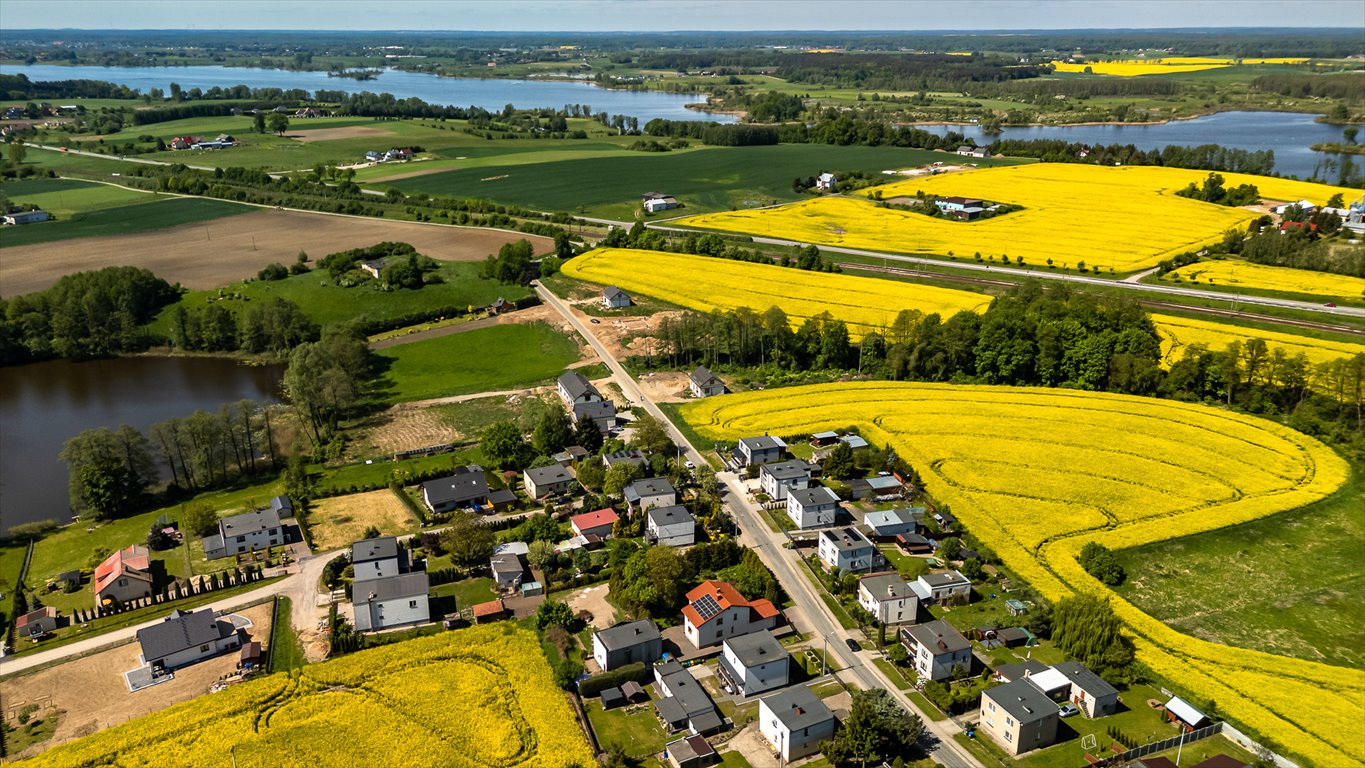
x=715, y=611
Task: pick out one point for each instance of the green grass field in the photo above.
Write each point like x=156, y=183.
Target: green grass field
x=65, y=197
x=286, y=652
x=484, y=360
x=709, y=179
x=1288, y=584
x=325, y=302
x=145, y=213
x=633, y=730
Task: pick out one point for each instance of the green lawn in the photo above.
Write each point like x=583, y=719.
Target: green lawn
x=471, y=417
x=149, y=212
x=286, y=652
x=40, y=727
x=910, y=568
x=467, y=593
x=703, y=179
x=64, y=197
x=485, y=360
x=318, y=295
x=1288, y=584
x=633, y=730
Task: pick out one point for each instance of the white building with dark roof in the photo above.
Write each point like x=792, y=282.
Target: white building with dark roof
x=467, y=488
x=391, y=601
x=847, y=549
x=794, y=722
x=702, y=383
x=615, y=298
x=1019, y=717
x=627, y=643
x=184, y=638
x=759, y=450
x=573, y=387
x=935, y=648
x=754, y=663
x=650, y=492
x=247, y=532
x=553, y=480
x=889, y=598
x=779, y=477
x=671, y=526
x=812, y=507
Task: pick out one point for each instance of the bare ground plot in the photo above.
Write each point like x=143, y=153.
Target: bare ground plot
x=215, y=253
x=333, y=134
x=92, y=692
x=411, y=174
x=594, y=601
x=340, y=520
x=664, y=386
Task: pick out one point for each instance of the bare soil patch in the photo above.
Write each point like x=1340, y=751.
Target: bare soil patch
x=664, y=387
x=594, y=601
x=93, y=694
x=332, y=134
x=215, y=253
x=411, y=174
x=340, y=520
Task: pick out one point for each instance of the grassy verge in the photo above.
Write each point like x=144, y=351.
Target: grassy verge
x=286, y=652
x=1213, y=585
x=501, y=357
x=634, y=730
x=71, y=634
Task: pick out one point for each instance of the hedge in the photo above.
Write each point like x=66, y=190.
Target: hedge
x=594, y=685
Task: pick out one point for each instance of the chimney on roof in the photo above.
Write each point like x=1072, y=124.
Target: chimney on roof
x=890, y=590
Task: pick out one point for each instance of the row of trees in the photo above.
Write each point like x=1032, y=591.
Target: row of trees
x=274, y=327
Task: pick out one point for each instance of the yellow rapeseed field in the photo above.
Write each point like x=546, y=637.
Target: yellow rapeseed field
x=1036, y=473
x=704, y=283
x=1178, y=333
x=1125, y=219
x=1244, y=274
x=478, y=697
x=1140, y=68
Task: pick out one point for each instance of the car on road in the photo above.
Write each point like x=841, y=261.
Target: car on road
x=1067, y=710
x=1330, y=304
x=689, y=464
x=853, y=645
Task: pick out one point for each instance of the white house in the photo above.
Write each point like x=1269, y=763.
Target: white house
x=812, y=507
x=377, y=558
x=573, y=387
x=650, y=492
x=1088, y=691
x=847, y=549
x=702, y=383
x=794, y=722
x=946, y=586
x=894, y=522
x=614, y=298
x=547, y=481
x=507, y=569
x=759, y=450
x=244, y=533
x=672, y=526
x=935, y=648
x=627, y=643
x=466, y=488
x=825, y=182
x=1019, y=717
x=184, y=638
x=888, y=597
x=754, y=663
x=24, y=217
x=602, y=413
x=391, y=601
x=780, y=477
x=716, y=610
x=967, y=151
x=656, y=201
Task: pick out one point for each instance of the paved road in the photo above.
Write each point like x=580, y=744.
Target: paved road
x=856, y=668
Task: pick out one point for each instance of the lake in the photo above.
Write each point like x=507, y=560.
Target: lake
x=44, y=404
x=1289, y=134
x=433, y=89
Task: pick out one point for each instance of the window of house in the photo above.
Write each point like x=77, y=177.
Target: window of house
x=990, y=705
x=123, y=582
x=241, y=538
x=1009, y=720
x=1009, y=735
x=412, y=603
x=203, y=649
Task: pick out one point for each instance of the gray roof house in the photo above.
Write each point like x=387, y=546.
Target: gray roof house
x=754, y=663
x=935, y=648
x=672, y=526
x=627, y=643
x=574, y=388
x=282, y=506
x=686, y=704
x=466, y=488
x=614, y=298
x=1019, y=717
x=702, y=383
x=759, y=450
x=374, y=558
x=602, y=413
x=391, y=601
x=1089, y=691
x=244, y=533
x=184, y=638
x=794, y=722
x=630, y=456
x=650, y=492
x=779, y=477
x=547, y=481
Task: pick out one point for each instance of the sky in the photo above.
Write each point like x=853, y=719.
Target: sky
x=671, y=15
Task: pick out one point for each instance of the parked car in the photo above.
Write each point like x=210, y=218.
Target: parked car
x=853, y=645
x=1067, y=710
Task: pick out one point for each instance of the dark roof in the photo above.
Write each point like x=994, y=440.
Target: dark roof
x=612, y=697
x=688, y=693
x=670, y=515
x=381, y=548
x=597, y=409
x=576, y=385
x=464, y=486
x=756, y=648
x=501, y=496
x=282, y=504
x=797, y=708
x=648, y=486
x=551, y=474
x=611, y=292
x=787, y=470
x=689, y=748
x=627, y=635
x=248, y=523
x=1022, y=701
x=764, y=443
x=69, y=576
x=181, y=631
x=703, y=377
x=889, y=586
x=939, y=637
x=631, y=689
x=1083, y=678
x=706, y=721
x=817, y=495
x=632, y=456
x=1018, y=671
x=391, y=587
x=846, y=539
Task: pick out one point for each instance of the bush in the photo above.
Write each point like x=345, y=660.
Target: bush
x=275, y=271
x=594, y=685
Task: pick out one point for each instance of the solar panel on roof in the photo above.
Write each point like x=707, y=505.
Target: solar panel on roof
x=707, y=607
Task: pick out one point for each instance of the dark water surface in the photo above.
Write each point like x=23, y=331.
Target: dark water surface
x=44, y=404
x=433, y=89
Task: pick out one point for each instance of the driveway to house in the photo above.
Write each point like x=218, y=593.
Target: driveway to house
x=784, y=563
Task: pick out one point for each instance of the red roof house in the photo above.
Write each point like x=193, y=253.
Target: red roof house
x=597, y=523
x=716, y=610
x=124, y=575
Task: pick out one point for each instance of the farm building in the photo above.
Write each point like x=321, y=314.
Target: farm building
x=25, y=217
x=967, y=151
x=656, y=201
